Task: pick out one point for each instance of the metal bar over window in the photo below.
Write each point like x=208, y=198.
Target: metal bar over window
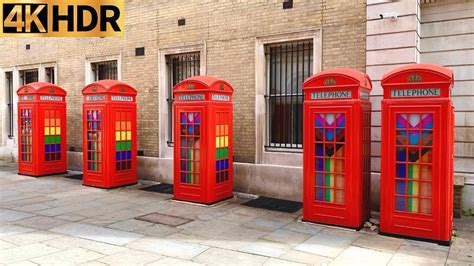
x=28, y=76
x=179, y=67
x=105, y=70
x=288, y=65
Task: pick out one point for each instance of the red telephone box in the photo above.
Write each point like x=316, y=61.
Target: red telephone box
x=336, y=148
x=42, y=129
x=109, y=134
x=417, y=153
x=203, y=140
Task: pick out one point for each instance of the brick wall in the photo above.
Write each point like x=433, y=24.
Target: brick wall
x=228, y=29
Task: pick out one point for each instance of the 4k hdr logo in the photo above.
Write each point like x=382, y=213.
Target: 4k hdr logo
x=59, y=18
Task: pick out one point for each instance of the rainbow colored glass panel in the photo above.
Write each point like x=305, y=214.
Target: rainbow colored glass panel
x=94, y=140
x=26, y=135
x=123, y=140
x=190, y=146
x=52, y=135
x=413, y=162
x=222, y=147
x=330, y=148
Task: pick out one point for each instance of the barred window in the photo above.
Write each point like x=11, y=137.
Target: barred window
x=287, y=66
x=9, y=97
x=28, y=76
x=179, y=67
x=104, y=70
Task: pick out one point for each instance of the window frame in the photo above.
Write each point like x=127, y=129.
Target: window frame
x=110, y=65
x=172, y=81
x=166, y=150
x=278, y=156
x=23, y=72
x=89, y=74
x=10, y=104
x=281, y=53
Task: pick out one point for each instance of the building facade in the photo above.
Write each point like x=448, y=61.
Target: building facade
x=265, y=49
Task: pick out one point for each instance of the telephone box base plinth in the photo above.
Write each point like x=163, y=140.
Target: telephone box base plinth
x=58, y=173
x=439, y=242
x=204, y=203
x=108, y=187
x=334, y=225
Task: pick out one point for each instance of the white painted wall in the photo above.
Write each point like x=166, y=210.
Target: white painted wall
x=390, y=44
x=447, y=38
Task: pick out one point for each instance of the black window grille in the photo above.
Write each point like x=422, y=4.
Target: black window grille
x=180, y=67
x=50, y=75
x=9, y=85
x=105, y=70
x=288, y=65
x=28, y=76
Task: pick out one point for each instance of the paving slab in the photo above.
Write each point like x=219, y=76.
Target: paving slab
x=31, y=237
x=26, y=252
x=264, y=224
x=189, y=238
x=362, y=256
x=325, y=245
x=12, y=216
x=32, y=207
x=210, y=228
x=129, y=225
x=9, y=230
x=96, y=233
x=40, y=222
x=173, y=262
x=417, y=252
x=219, y=257
x=306, y=258
x=279, y=262
x=266, y=248
x=235, y=238
x=158, y=230
x=130, y=257
x=168, y=247
x=69, y=242
x=72, y=256
x=286, y=236
x=5, y=245
x=303, y=227
x=378, y=242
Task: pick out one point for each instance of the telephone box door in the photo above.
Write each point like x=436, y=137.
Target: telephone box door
x=94, y=144
x=190, y=140
x=413, y=158
x=329, y=149
x=123, y=144
x=53, y=125
x=223, y=152
x=26, y=116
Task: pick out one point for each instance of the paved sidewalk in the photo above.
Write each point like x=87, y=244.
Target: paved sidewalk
x=54, y=220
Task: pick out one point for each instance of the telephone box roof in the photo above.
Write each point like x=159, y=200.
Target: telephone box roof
x=347, y=76
x=108, y=85
x=41, y=88
x=395, y=75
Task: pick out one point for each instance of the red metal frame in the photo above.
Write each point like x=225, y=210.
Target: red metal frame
x=42, y=136
x=336, y=148
x=203, y=146
x=109, y=134
x=417, y=153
